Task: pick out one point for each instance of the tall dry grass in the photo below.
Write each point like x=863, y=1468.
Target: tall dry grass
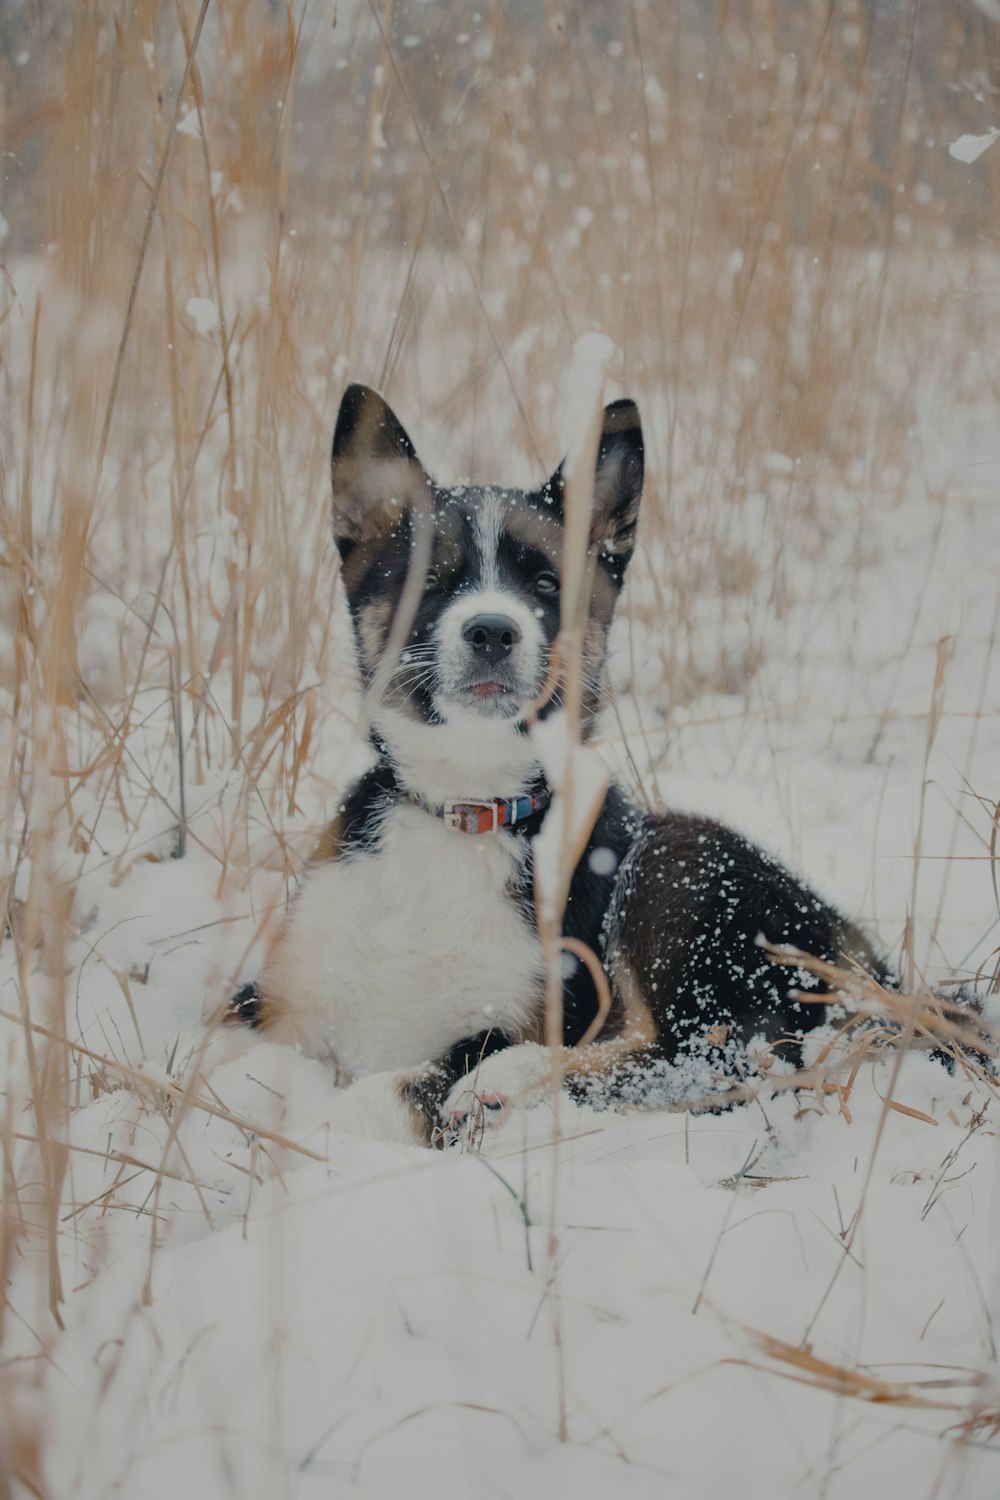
x=218, y=213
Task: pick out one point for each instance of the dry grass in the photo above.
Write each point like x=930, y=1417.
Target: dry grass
x=212, y=226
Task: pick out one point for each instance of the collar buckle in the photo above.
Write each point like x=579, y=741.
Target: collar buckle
x=462, y=815
x=450, y=815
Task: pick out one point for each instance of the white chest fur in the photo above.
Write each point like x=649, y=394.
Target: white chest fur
x=390, y=958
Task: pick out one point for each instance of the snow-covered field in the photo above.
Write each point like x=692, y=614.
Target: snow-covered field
x=206, y=1288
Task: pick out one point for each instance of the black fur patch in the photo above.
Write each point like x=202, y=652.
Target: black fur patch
x=244, y=1008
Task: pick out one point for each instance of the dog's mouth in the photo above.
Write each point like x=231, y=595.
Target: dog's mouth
x=494, y=697
x=494, y=700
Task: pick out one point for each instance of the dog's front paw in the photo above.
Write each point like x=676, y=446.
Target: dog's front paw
x=517, y=1077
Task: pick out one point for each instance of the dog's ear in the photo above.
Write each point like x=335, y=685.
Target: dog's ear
x=617, y=483
x=375, y=469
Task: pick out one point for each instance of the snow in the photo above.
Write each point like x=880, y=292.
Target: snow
x=969, y=148
x=188, y=123
x=388, y=1313
x=204, y=313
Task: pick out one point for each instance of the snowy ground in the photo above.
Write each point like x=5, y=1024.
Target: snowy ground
x=293, y=1313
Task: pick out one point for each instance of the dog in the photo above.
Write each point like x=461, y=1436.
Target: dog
x=409, y=959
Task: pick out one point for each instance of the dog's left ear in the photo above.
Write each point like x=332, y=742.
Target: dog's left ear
x=617, y=483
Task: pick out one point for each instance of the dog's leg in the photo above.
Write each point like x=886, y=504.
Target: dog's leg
x=433, y=1091
x=484, y=1096
x=519, y=1076
x=407, y=1106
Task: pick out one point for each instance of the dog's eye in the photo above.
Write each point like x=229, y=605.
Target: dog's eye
x=546, y=583
x=433, y=578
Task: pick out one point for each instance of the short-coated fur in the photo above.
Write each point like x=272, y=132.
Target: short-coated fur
x=409, y=958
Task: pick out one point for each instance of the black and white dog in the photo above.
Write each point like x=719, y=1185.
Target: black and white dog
x=409, y=958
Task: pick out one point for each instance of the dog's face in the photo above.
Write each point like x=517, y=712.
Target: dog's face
x=477, y=566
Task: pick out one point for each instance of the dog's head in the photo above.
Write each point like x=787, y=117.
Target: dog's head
x=480, y=566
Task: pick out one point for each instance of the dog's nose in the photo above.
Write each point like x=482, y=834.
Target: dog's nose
x=492, y=637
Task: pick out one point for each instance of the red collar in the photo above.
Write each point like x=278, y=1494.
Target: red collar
x=468, y=815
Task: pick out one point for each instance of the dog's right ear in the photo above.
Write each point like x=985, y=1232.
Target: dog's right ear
x=617, y=486
x=375, y=469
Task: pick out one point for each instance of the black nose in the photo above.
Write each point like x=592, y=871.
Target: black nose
x=492, y=637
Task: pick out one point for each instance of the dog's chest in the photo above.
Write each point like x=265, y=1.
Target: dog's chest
x=420, y=942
